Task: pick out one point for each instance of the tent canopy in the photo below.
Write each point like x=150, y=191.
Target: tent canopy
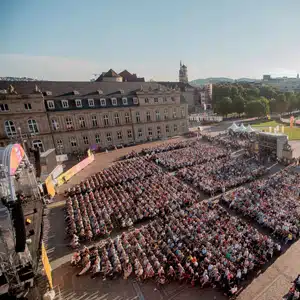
x=249, y=129
x=242, y=128
x=233, y=127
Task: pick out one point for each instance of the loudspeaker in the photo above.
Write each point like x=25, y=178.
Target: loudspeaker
x=19, y=225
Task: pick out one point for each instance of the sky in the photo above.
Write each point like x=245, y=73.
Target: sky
x=73, y=39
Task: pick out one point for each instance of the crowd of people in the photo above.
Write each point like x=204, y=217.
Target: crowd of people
x=200, y=244
x=294, y=292
x=228, y=141
x=220, y=174
x=160, y=148
x=118, y=173
x=273, y=203
x=95, y=213
x=199, y=153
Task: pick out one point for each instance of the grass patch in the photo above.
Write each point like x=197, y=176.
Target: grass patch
x=293, y=133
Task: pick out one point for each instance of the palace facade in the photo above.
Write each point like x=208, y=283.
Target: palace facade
x=75, y=116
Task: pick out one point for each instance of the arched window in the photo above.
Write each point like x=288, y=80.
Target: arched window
x=10, y=128
x=33, y=126
x=37, y=144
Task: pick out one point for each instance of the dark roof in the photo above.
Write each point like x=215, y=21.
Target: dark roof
x=85, y=89
x=97, y=104
x=173, y=84
x=125, y=73
x=111, y=73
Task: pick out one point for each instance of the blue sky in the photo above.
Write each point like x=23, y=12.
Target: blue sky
x=72, y=39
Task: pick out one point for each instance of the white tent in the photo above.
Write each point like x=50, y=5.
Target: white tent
x=242, y=128
x=233, y=127
x=249, y=129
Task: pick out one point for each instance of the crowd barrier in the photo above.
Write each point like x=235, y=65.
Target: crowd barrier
x=61, y=179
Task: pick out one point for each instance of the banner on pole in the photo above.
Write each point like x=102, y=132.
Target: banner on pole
x=46, y=265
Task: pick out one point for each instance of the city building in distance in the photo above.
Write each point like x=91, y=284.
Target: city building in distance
x=74, y=116
x=283, y=84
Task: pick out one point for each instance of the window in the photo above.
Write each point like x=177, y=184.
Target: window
x=117, y=119
x=150, y=131
x=81, y=122
x=167, y=129
x=135, y=100
x=69, y=123
x=140, y=132
x=65, y=103
x=158, y=131
x=50, y=104
x=108, y=137
x=78, y=103
x=174, y=113
x=166, y=114
x=27, y=106
x=10, y=128
x=165, y=99
x=91, y=102
x=173, y=99
x=175, y=127
x=157, y=115
x=127, y=118
x=59, y=144
x=114, y=101
x=129, y=133
x=146, y=100
x=37, y=144
x=138, y=118
x=103, y=102
x=32, y=126
x=4, y=107
x=105, y=120
x=156, y=100
x=55, y=125
x=85, y=140
x=73, y=141
x=182, y=112
x=94, y=121
x=97, y=138
x=119, y=135
x=148, y=116
x=124, y=100
x=182, y=127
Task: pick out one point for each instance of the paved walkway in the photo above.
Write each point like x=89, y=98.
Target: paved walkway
x=275, y=282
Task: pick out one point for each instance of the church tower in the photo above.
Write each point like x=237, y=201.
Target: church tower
x=183, y=75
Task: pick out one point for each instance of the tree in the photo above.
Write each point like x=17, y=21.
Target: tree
x=224, y=106
x=268, y=92
x=281, y=103
x=257, y=108
x=238, y=104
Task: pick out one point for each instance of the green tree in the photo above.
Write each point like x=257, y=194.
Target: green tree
x=238, y=104
x=267, y=91
x=224, y=107
x=281, y=103
x=257, y=108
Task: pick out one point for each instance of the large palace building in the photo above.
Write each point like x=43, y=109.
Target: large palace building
x=74, y=116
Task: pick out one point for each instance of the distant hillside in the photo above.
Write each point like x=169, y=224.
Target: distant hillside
x=8, y=78
x=219, y=80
